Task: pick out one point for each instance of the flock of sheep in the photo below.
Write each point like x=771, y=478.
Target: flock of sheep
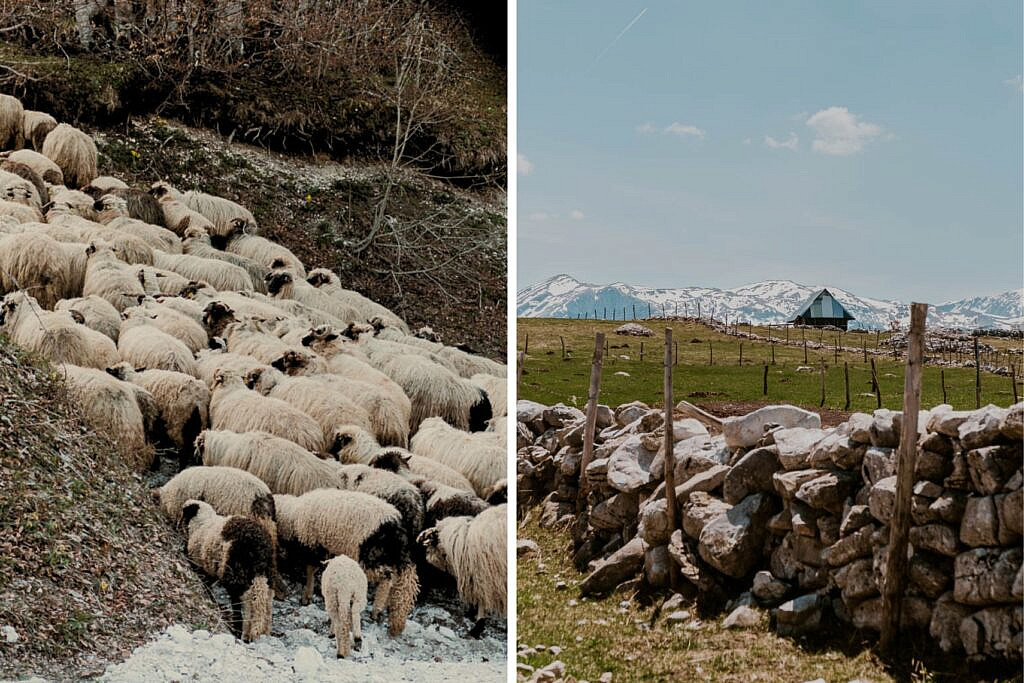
x=310, y=424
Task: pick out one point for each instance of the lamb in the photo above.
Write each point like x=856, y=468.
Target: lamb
x=41, y=164
x=235, y=407
x=182, y=406
x=417, y=468
x=328, y=283
x=146, y=346
x=496, y=389
x=480, y=461
x=35, y=263
x=387, y=486
x=220, y=309
x=263, y=251
x=166, y=319
x=11, y=115
x=344, y=587
x=225, y=214
x=26, y=172
x=327, y=407
x=472, y=549
x=75, y=153
x=96, y=312
x=218, y=274
x=364, y=528
x=239, y=553
x=111, y=407
x=56, y=335
x=283, y=466
x=436, y=392
x=197, y=243
x=35, y=126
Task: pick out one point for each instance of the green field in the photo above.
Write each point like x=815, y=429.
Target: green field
x=549, y=378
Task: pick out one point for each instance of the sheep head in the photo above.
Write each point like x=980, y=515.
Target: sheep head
x=319, y=277
x=391, y=459
x=430, y=540
x=277, y=281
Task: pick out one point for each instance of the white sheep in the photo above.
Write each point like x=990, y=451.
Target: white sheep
x=169, y=320
x=351, y=444
x=262, y=250
x=496, y=389
x=389, y=414
x=160, y=282
x=285, y=467
x=96, y=312
x=472, y=549
x=344, y=587
x=327, y=407
x=387, y=486
x=480, y=460
x=209, y=361
x=11, y=115
x=226, y=215
x=111, y=279
x=35, y=126
x=41, y=164
x=235, y=407
x=35, y=263
x=55, y=335
x=197, y=242
x=282, y=284
x=75, y=153
x=328, y=283
x=218, y=274
x=417, y=468
x=146, y=346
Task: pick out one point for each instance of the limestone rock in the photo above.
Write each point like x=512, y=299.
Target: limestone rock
x=629, y=466
x=917, y=613
x=799, y=615
x=621, y=565
x=950, y=506
x=529, y=411
x=860, y=427
x=857, y=580
x=877, y=464
x=614, y=513
x=708, y=480
x=994, y=632
x=731, y=542
x=653, y=522
x=849, y=548
x=656, y=566
x=990, y=468
x=882, y=499
x=945, y=624
x=745, y=431
x=630, y=412
x=742, y=617
x=936, y=538
x=788, y=483
x=930, y=574
x=699, y=510
x=1011, y=510
x=826, y=492
x=980, y=525
x=985, y=576
x=752, y=473
x=933, y=466
x=525, y=546
x=687, y=428
x=1012, y=425
x=948, y=421
x=558, y=415
x=854, y=518
x=795, y=445
x=982, y=427
x=885, y=428
x=767, y=589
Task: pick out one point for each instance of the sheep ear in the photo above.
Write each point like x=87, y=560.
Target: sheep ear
x=308, y=339
x=46, y=207
x=91, y=249
x=77, y=317
x=188, y=511
x=428, y=538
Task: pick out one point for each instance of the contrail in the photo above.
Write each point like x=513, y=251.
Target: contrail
x=622, y=33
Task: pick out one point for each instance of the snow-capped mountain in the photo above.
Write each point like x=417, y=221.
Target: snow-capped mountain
x=771, y=301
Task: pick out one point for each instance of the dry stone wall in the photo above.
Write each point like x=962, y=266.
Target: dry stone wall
x=793, y=517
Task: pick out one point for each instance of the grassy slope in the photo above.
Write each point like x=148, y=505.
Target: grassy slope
x=88, y=566
x=548, y=378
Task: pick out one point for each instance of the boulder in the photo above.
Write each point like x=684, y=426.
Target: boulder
x=931, y=575
x=767, y=589
x=840, y=450
x=628, y=413
x=803, y=519
x=885, y=428
x=795, y=444
x=985, y=576
x=982, y=427
x=525, y=546
x=746, y=430
x=786, y=484
x=799, y=616
x=731, y=541
x=597, y=472
x=708, y=480
x=783, y=562
x=882, y=499
x=849, y=548
x=932, y=466
x=752, y=473
x=742, y=617
x=993, y=633
x=1011, y=510
x=990, y=468
x=857, y=580
x=980, y=525
x=945, y=624
x=936, y=538
x=571, y=434
x=629, y=466
x=614, y=513
x=687, y=428
x=1012, y=425
x=826, y=492
x=653, y=524
x=605, y=417
x=623, y=564
x=656, y=566
x=877, y=464
x=524, y=437
x=947, y=421
x=529, y=411
x=860, y=427
x=855, y=517
x=808, y=550
x=699, y=510
x=559, y=415
x=949, y=506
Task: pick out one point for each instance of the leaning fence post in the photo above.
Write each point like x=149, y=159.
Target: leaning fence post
x=562, y=340
x=526, y=343
x=874, y=383
x=591, y=421
x=977, y=376
x=765, y=379
x=1013, y=382
x=641, y=352
x=896, y=562
x=741, y=354
x=670, y=463
x=942, y=378
x=711, y=353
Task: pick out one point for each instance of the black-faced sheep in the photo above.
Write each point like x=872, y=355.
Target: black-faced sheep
x=472, y=549
x=436, y=391
x=111, y=407
x=235, y=407
x=329, y=522
x=35, y=126
x=418, y=467
x=251, y=339
x=110, y=278
x=328, y=283
x=20, y=212
x=469, y=364
x=387, y=486
x=239, y=553
x=11, y=115
x=282, y=284
x=344, y=587
x=497, y=392
x=221, y=309
x=146, y=346
x=210, y=361
x=41, y=164
x=160, y=282
x=97, y=314
x=218, y=274
x=284, y=466
x=141, y=206
x=75, y=153
x=440, y=501
x=197, y=243
x=263, y=251
x=226, y=215
x=351, y=444
x=182, y=402
x=37, y=264
x=229, y=490
x=480, y=460
x=57, y=336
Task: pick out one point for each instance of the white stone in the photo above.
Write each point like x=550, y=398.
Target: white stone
x=742, y=617
x=746, y=430
x=307, y=661
x=9, y=634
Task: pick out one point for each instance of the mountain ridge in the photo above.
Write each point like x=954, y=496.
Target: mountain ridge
x=767, y=301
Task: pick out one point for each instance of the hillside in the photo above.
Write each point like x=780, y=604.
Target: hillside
x=88, y=567
x=771, y=301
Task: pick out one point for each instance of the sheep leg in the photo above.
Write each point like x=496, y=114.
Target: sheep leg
x=402, y=599
x=236, y=616
x=307, y=595
x=357, y=615
x=478, y=627
x=342, y=632
x=381, y=597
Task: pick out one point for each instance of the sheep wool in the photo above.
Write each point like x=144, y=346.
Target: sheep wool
x=75, y=153
x=153, y=235
x=26, y=173
x=235, y=407
x=282, y=284
x=222, y=213
x=344, y=587
x=436, y=391
x=111, y=279
x=238, y=552
x=481, y=461
x=20, y=212
x=350, y=444
x=197, y=242
x=369, y=531
x=11, y=115
x=496, y=389
x=218, y=274
x=146, y=346
x=14, y=188
x=262, y=250
x=442, y=501
x=54, y=335
x=328, y=407
x=103, y=184
x=41, y=164
x=35, y=126
x=160, y=282
x=110, y=406
x=472, y=549
x=177, y=217
x=387, y=486
x=209, y=361
x=329, y=283
x=417, y=468
x=35, y=263
x=166, y=319
x=469, y=364
x=283, y=466
x=97, y=314
x=389, y=414
x=229, y=490
x=142, y=206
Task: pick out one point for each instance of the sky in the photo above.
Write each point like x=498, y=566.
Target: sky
x=871, y=146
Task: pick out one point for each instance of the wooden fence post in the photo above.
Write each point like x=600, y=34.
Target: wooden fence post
x=641, y=352
x=591, y=422
x=822, y=372
x=787, y=334
x=670, y=462
x=874, y=383
x=698, y=310
x=865, y=343
x=519, y=370
x=634, y=311
x=836, y=354
x=773, y=353
x=896, y=562
x=675, y=351
x=977, y=376
x=1013, y=382
x=562, y=341
x=765, y=379
x=741, y=353
x=711, y=354
x=942, y=379
x=805, y=352
x=846, y=381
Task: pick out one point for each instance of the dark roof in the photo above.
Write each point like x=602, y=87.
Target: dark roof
x=804, y=309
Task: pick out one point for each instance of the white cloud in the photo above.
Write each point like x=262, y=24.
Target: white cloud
x=539, y=216
x=789, y=143
x=646, y=128
x=747, y=141
x=1017, y=82
x=839, y=132
x=576, y=215
x=523, y=165
x=683, y=129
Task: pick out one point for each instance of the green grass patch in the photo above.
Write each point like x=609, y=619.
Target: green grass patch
x=708, y=368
